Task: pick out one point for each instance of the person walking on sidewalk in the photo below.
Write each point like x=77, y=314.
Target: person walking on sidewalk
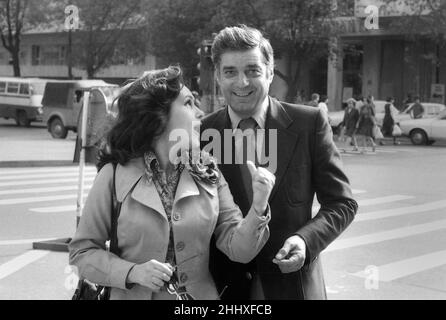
x=389, y=120
x=348, y=125
x=366, y=124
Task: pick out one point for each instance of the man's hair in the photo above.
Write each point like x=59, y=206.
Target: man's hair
x=241, y=38
x=315, y=96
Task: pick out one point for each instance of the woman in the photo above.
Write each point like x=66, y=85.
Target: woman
x=366, y=123
x=351, y=116
x=389, y=120
x=171, y=205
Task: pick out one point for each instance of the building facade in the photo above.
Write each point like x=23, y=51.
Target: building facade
x=376, y=57
x=44, y=54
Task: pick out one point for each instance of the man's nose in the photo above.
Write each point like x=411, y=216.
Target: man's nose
x=242, y=80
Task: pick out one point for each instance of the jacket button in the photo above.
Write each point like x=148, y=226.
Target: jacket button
x=180, y=246
x=183, y=277
x=176, y=217
x=248, y=275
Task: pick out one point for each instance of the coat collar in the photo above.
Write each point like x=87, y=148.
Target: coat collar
x=277, y=118
x=132, y=176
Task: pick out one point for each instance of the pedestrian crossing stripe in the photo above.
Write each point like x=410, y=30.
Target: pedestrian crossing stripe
x=425, y=207
x=4, y=172
x=41, y=190
x=406, y=267
x=38, y=199
x=44, y=175
x=43, y=181
x=398, y=233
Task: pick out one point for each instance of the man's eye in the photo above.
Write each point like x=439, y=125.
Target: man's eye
x=229, y=73
x=254, y=72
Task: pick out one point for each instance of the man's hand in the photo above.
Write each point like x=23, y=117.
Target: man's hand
x=291, y=257
x=262, y=185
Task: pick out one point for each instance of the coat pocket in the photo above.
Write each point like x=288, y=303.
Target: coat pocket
x=298, y=184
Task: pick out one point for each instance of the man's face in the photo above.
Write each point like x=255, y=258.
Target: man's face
x=244, y=80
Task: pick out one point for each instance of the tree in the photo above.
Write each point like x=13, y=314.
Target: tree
x=102, y=26
x=12, y=15
x=175, y=30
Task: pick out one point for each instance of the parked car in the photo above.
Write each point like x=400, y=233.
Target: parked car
x=62, y=102
x=21, y=99
x=431, y=111
x=425, y=131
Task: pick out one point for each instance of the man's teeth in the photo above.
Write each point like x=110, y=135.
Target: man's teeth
x=242, y=94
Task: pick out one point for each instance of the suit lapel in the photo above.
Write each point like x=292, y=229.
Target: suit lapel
x=277, y=118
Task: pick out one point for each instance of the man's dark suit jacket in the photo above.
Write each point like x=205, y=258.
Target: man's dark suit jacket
x=307, y=162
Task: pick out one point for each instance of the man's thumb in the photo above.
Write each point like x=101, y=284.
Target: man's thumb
x=252, y=168
x=283, y=252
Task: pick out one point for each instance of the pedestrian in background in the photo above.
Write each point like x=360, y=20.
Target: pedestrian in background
x=314, y=100
x=366, y=124
x=323, y=104
x=389, y=120
x=348, y=125
x=417, y=109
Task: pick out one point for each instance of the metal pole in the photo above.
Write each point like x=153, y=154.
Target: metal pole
x=80, y=189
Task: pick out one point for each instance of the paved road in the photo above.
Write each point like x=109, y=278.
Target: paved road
x=33, y=144
x=395, y=249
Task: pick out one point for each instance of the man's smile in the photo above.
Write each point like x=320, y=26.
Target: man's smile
x=243, y=94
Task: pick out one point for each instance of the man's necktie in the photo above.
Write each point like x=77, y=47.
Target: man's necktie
x=246, y=124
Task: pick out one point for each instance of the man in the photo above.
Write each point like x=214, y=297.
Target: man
x=314, y=100
x=417, y=109
x=307, y=161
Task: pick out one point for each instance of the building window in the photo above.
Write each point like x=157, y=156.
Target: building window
x=2, y=87
x=35, y=55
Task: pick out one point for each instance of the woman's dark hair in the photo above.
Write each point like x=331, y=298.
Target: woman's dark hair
x=143, y=113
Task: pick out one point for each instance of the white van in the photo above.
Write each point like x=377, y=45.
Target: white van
x=21, y=99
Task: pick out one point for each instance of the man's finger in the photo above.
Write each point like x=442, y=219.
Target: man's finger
x=283, y=252
x=252, y=168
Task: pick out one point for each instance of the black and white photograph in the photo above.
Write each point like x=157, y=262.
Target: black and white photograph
x=244, y=151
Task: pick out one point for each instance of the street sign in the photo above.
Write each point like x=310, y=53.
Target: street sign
x=437, y=92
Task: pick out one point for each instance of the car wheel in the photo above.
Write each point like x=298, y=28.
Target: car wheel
x=21, y=119
x=418, y=137
x=57, y=129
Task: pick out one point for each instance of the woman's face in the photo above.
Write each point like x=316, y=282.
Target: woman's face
x=183, y=127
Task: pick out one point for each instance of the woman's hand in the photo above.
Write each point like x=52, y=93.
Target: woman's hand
x=262, y=184
x=151, y=274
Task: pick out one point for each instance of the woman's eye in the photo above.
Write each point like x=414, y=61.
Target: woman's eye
x=189, y=103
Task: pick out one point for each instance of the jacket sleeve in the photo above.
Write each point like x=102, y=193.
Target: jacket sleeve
x=87, y=249
x=241, y=239
x=333, y=193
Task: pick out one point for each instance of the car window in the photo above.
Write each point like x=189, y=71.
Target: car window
x=24, y=88
x=13, y=87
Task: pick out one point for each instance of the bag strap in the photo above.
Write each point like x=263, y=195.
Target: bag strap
x=115, y=211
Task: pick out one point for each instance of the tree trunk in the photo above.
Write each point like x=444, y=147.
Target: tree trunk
x=16, y=63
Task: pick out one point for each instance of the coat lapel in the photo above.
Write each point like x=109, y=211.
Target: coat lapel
x=131, y=176
x=277, y=118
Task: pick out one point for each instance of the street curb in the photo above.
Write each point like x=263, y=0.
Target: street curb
x=37, y=163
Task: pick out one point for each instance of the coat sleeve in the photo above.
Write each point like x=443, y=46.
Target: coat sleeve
x=241, y=239
x=87, y=249
x=338, y=208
